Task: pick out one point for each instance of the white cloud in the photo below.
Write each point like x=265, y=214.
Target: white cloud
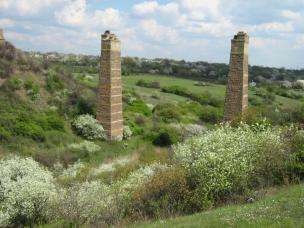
x=272, y=27
x=27, y=7
x=72, y=14
x=169, y=9
x=290, y=14
x=201, y=9
x=299, y=42
x=149, y=7
x=146, y=7
x=158, y=32
x=222, y=28
x=75, y=14
x=262, y=42
x=5, y=23
x=16, y=36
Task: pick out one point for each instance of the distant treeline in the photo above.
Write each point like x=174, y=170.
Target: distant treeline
x=200, y=70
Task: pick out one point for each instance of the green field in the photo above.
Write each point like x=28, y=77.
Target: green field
x=147, y=94
x=284, y=208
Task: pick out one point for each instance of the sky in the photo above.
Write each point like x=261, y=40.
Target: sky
x=194, y=30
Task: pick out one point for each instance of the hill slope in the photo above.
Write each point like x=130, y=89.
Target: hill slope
x=285, y=208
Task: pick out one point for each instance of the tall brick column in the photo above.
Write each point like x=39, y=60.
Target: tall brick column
x=2, y=40
x=236, y=100
x=109, y=102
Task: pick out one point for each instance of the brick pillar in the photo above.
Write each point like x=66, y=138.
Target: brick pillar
x=2, y=40
x=109, y=101
x=236, y=100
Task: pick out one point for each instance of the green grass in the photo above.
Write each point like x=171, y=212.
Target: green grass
x=216, y=90
x=130, y=83
x=284, y=208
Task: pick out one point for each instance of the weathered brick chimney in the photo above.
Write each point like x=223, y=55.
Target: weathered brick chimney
x=236, y=100
x=109, y=101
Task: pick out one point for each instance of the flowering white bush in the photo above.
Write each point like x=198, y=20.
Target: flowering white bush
x=72, y=169
x=189, y=130
x=86, y=202
x=229, y=157
x=141, y=176
x=94, y=201
x=127, y=133
x=27, y=192
x=111, y=166
x=89, y=127
x=85, y=146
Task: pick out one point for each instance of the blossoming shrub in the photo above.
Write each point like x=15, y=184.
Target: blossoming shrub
x=85, y=147
x=127, y=133
x=188, y=130
x=27, y=193
x=100, y=204
x=230, y=160
x=88, y=127
x=85, y=202
x=72, y=170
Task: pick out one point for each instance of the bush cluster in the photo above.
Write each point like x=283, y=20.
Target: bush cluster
x=217, y=166
x=168, y=113
x=17, y=119
x=211, y=114
x=88, y=127
x=53, y=82
x=202, y=98
x=230, y=161
x=148, y=84
x=28, y=193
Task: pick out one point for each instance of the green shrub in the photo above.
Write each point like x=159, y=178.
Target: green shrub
x=204, y=98
x=4, y=134
x=15, y=84
x=296, y=166
x=54, y=82
x=254, y=101
x=135, y=128
x=32, y=89
x=167, y=113
x=81, y=105
x=19, y=119
x=251, y=116
x=165, y=194
x=211, y=115
x=28, y=84
x=269, y=97
x=166, y=136
x=148, y=84
x=139, y=106
x=30, y=130
x=54, y=122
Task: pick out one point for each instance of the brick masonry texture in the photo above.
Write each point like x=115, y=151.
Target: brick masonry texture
x=2, y=40
x=236, y=100
x=109, y=102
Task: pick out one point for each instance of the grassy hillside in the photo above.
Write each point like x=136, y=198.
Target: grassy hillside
x=216, y=90
x=174, y=157
x=279, y=208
